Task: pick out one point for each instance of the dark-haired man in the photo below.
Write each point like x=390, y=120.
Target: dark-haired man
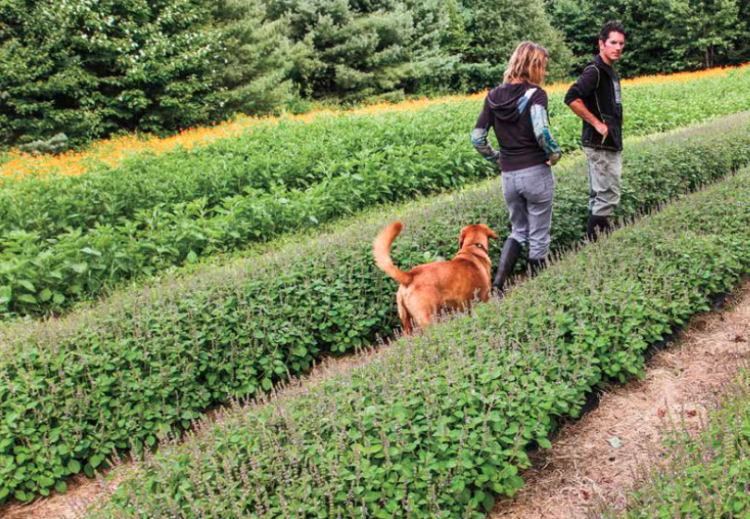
x=595, y=97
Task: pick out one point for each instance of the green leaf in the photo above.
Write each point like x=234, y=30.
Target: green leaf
x=96, y=460
x=28, y=285
x=6, y=294
x=488, y=502
x=74, y=466
x=79, y=268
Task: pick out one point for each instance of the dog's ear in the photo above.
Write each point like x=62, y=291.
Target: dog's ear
x=461, y=239
x=488, y=232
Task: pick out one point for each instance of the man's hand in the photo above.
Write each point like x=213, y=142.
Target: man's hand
x=581, y=111
x=602, y=129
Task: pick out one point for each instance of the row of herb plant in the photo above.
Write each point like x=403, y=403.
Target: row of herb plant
x=437, y=425
x=72, y=238
x=703, y=475
x=148, y=361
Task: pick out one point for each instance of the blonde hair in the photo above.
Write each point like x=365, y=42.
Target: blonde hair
x=527, y=63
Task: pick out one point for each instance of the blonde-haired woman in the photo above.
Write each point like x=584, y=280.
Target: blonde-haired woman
x=517, y=111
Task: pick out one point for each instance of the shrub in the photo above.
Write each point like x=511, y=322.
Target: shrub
x=365, y=49
x=662, y=37
x=90, y=69
x=485, y=33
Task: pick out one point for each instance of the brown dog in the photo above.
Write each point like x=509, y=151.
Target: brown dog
x=451, y=285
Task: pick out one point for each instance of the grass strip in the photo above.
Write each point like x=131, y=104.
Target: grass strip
x=70, y=238
x=144, y=364
x=439, y=424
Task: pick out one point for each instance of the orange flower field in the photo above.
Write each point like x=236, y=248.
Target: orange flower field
x=111, y=151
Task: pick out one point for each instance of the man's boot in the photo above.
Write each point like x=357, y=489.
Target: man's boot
x=508, y=259
x=536, y=265
x=597, y=225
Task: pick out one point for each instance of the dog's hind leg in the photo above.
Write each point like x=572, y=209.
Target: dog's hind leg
x=424, y=316
x=404, y=315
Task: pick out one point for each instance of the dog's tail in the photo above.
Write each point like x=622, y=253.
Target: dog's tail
x=382, y=250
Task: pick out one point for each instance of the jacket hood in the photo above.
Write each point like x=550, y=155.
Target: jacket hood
x=509, y=100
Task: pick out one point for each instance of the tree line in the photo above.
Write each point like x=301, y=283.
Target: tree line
x=93, y=68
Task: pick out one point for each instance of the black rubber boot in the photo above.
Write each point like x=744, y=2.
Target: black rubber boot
x=597, y=225
x=536, y=265
x=508, y=259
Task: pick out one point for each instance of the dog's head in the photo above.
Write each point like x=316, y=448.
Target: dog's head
x=477, y=235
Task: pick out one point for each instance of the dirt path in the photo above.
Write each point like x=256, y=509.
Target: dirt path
x=582, y=464
x=597, y=457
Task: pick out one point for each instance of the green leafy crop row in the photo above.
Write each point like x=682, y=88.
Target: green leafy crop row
x=436, y=425
x=148, y=361
x=704, y=475
x=67, y=238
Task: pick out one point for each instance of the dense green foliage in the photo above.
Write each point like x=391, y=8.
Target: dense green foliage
x=69, y=238
x=438, y=424
x=365, y=49
x=89, y=69
x=483, y=34
x=146, y=362
x=662, y=36
x=704, y=475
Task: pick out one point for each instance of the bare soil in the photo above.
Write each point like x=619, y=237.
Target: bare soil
x=593, y=458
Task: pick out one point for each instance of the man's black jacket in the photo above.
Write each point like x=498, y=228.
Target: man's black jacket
x=599, y=88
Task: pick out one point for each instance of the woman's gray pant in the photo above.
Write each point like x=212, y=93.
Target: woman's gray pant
x=529, y=194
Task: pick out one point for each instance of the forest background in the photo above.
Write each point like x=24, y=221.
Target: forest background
x=78, y=70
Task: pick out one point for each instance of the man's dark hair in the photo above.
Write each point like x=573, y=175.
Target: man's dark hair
x=611, y=27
